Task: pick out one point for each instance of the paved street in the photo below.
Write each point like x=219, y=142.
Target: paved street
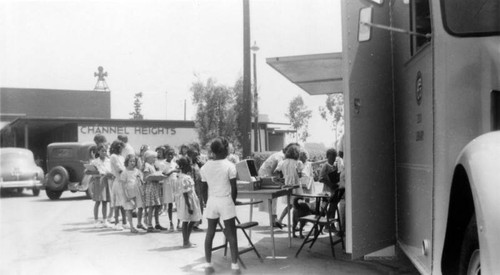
x=40, y=236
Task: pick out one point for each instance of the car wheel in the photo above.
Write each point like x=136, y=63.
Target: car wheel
x=57, y=178
x=470, y=260
x=36, y=192
x=53, y=195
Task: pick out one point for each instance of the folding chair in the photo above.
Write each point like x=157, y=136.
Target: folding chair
x=243, y=227
x=326, y=219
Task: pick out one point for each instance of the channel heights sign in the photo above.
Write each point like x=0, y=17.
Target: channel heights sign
x=140, y=135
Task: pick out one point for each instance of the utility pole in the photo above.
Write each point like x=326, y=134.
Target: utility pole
x=184, y=109
x=254, y=49
x=166, y=104
x=247, y=96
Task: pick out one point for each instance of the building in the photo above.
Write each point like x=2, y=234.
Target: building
x=34, y=118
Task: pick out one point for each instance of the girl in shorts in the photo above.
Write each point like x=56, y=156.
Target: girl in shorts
x=131, y=183
x=220, y=176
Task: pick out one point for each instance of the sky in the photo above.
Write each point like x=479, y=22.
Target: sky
x=160, y=48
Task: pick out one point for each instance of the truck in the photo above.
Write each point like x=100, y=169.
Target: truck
x=422, y=92
x=421, y=87
x=66, y=168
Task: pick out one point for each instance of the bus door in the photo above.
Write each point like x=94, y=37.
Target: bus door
x=414, y=116
x=370, y=174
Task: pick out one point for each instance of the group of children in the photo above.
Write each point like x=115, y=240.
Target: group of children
x=153, y=180
x=144, y=183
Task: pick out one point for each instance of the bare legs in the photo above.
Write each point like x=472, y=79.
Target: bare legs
x=119, y=209
x=187, y=228
x=129, y=218
x=229, y=231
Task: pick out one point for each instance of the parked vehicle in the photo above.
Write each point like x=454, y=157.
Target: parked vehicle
x=65, y=163
x=422, y=93
x=19, y=170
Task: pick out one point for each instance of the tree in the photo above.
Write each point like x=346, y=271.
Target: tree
x=136, y=114
x=299, y=116
x=333, y=112
x=215, y=114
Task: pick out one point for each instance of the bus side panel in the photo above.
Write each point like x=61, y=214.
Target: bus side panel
x=369, y=107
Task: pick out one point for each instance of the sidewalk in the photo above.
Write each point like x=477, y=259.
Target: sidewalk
x=318, y=260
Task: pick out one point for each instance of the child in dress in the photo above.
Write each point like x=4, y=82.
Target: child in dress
x=188, y=209
x=169, y=170
x=160, y=165
x=117, y=195
x=100, y=188
x=307, y=179
x=328, y=168
x=152, y=189
x=130, y=180
x=291, y=168
x=220, y=176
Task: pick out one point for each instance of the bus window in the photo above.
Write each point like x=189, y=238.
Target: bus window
x=420, y=22
x=471, y=18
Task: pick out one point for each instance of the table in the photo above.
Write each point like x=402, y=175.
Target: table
x=269, y=195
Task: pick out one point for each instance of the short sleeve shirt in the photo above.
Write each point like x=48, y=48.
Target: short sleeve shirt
x=217, y=173
x=267, y=168
x=290, y=169
x=103, y=166
x=117, y=164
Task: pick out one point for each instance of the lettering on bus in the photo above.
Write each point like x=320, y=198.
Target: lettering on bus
x=420, y=135
x=419, y=118
x=120, y=130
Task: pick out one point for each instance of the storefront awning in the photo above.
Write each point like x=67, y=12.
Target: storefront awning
x=317, y=74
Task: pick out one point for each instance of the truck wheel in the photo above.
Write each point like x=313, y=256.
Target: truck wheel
x=470, y=260
x=36, y=192
x=57, y=178
x=53, y=195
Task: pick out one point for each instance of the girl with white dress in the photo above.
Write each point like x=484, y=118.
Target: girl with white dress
x=117, y=194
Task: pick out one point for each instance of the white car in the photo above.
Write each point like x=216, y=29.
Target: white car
x=18, y=170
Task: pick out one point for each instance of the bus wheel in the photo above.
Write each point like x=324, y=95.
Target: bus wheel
x=470, y=260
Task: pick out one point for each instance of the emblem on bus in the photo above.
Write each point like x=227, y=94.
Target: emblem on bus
x=418, y=88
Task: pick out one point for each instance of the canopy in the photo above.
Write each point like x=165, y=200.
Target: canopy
x=317, y=74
